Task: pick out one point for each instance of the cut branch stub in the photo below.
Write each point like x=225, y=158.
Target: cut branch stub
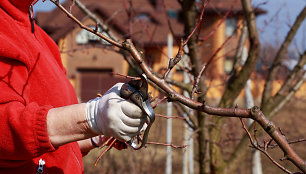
x=175, y=60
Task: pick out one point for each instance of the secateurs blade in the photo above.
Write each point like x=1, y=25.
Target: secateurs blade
x=137, y=92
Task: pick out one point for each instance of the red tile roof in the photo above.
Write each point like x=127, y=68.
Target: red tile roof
x=149, y=24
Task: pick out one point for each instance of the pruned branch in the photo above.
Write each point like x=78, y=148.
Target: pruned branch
x=175, y=60
x=197, y=81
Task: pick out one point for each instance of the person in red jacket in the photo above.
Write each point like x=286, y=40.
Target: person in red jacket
x=43, y=129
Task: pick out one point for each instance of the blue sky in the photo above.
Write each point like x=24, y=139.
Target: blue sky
x=273, y=26
x=280, y=16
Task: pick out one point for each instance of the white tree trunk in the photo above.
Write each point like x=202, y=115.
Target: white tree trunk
x=188, y=164
x=256, y=160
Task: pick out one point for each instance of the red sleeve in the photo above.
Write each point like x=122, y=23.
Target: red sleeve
x=23, y=125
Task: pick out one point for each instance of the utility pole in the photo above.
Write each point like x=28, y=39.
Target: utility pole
x=169, y=113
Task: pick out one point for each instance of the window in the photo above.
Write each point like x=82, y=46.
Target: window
x=230, y=26
x=172, y=14
x=142, y=17
x=228, y=64
x=85, y=37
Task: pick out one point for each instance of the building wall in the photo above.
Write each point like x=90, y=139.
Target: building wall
x=96, y=58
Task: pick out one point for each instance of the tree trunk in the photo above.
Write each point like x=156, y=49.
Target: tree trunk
x=190, y=16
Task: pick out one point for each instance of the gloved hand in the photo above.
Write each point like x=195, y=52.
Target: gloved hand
x=114, y=116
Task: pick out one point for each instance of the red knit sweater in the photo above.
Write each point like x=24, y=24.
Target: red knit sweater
x=32, y=81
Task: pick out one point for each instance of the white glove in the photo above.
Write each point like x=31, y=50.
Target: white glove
x=114, y=116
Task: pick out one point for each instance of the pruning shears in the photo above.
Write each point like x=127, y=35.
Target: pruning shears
x=137, y=92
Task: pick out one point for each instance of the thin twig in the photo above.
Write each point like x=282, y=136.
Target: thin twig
x=200, y=27
x=107, y=149
x=57, y=3
x=261, y=150
x=271, y=146
x=168, y=117
x=219, y=24
x=96, y=19
x=198, y=24
x=182, y=110
x=126, y=76
x=158, y=102
x=197, y=81
x=220, y=48
x=70, y=8
x=174, y=61
x=165, y=144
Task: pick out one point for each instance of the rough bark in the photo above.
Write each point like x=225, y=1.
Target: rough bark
x=190, y=14
x=234, y=86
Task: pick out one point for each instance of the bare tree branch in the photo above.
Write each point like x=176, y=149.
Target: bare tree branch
x=264, y=151
x=279, y=57
x=292, y=83
x=240, y=149
x=285, y=99
x=198, y=23
x=182, y=109
x=95, y=18
x=277, y=136
x=271, y=146
x=165, y=144
x=197, y=81
x=109, y=40
x=223, y=19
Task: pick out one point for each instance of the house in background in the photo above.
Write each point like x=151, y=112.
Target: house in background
x=90, y=61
